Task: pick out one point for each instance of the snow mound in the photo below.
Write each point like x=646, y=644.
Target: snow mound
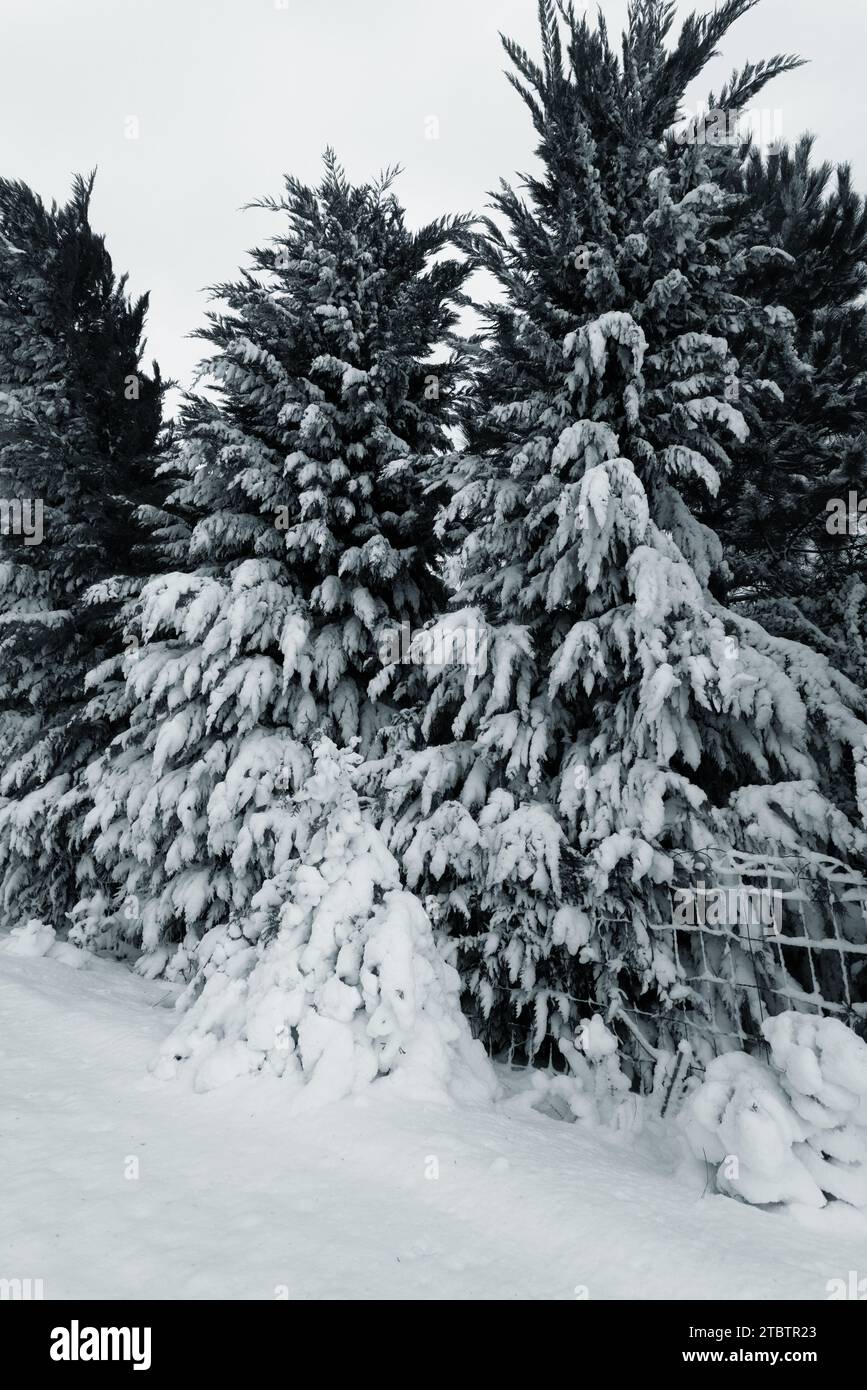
x=35, y=938
x=792, y=1130
x=335, y=979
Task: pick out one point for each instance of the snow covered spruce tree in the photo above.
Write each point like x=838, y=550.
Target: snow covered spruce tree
x=332, y=976
x=624, y=717
x=80, y=424
x=314, y=544
x=787, y=513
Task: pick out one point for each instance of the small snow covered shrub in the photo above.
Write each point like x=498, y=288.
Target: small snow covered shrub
x=740, y=1121
x=794, y=1129
x=822, y=1067
x=335, y=977
x=594, y=1090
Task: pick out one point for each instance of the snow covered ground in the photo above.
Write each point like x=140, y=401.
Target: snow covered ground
x=235, y=1200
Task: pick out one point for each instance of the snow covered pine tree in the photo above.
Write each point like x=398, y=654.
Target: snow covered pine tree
x=315, y=542
x=625, y=715
x=795, y=546
x=315, y=545
x=79, y=442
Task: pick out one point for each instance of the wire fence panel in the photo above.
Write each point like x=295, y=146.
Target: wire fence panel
x=749, y=936
x=755, y=935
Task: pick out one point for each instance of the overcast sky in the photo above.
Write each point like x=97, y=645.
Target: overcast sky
x=230, y=94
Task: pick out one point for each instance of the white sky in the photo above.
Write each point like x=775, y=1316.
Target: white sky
x=230, y=94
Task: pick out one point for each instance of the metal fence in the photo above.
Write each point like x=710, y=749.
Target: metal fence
x=809, y=954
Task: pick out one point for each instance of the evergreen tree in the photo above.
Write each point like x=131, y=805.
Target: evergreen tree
x=626, y=719
x=80, y=424
x=795, y=546
x=314, y=544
